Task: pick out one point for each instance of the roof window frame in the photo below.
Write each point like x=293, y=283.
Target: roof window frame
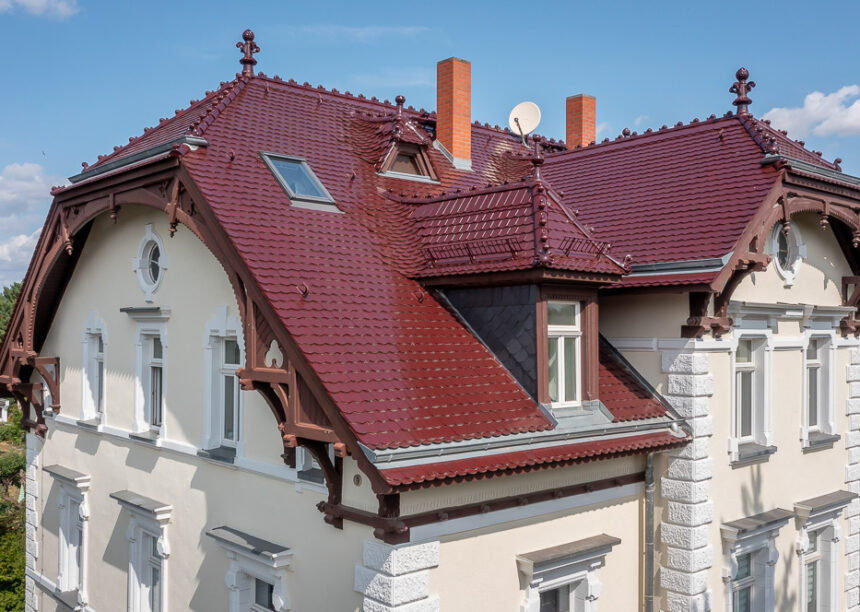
x=421, y=158
x=326, y=203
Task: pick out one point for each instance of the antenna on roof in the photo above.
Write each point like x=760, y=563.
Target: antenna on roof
x=524, y=119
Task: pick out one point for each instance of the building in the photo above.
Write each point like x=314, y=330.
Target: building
x=295, y=349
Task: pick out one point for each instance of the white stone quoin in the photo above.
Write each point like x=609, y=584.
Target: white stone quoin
x=852, y=478
x=31, y=487
x=686, y=488
x=397, y=578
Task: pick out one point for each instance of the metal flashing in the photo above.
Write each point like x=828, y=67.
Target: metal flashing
x=811, y=168
x=191, y=141
x=688, y=266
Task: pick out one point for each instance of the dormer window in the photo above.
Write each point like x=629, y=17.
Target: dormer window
x=299, y=182
x=410, y=162
x=564, y=353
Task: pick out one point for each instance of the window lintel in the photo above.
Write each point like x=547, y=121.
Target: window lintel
x=251, y=547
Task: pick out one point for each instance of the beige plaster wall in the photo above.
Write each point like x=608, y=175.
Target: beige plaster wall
x=819, y=279
x=204, y=495
x=649, y=315
x=497, y=587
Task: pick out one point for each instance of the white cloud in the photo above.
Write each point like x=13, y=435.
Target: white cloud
x=602, y=128
x=56, y=9
x=639, y=120
x=832, y=114
x=25, y=188
x=356, y=34
x=15, y=254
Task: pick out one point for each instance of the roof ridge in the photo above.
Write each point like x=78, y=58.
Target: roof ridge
x=222, y=98
x=758, y=127
x=628, y=136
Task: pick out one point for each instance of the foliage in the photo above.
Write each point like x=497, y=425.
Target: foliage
x=11, y=430
x=8, y=297
x=12, y=470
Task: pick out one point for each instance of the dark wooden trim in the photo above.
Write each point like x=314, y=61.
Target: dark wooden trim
x=530, y=276
x=590, y=337
x=395, y=529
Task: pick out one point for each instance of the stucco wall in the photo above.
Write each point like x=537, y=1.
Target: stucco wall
x=497, y=586
x=262, y=500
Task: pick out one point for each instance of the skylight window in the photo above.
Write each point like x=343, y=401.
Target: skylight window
x=299, y=181
x=408, y=161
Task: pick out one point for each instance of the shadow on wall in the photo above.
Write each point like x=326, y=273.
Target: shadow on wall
x=784, y=601
x=116, y=552
x=751, y=496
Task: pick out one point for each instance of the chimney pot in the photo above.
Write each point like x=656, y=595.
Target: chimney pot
x=581, y=120
x=454, y=110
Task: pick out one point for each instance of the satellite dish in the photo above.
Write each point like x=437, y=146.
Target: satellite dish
x=524, y=119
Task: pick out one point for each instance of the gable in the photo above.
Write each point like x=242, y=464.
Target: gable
x=819, y=275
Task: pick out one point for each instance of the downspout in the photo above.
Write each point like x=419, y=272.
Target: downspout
x=649, y=532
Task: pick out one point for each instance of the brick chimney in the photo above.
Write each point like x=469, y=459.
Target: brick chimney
x=581, y=120
x=454, y=110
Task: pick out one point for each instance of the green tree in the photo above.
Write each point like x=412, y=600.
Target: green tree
x=12, y=466
x=8, y=297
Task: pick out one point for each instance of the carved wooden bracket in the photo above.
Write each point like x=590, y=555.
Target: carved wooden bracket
x=850, y=297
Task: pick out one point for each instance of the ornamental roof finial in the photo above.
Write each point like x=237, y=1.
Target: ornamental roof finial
x=742, y=87
x=249, y=48
x=400, y=100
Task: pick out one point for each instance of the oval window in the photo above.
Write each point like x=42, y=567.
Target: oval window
x=786, y=247
x=152, y=260
x=150, y=263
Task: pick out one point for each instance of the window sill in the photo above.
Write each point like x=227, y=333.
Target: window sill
x=93, y=424
x=820, y=441
x=749, y=454
x=223, y=454
x=148, y=437
x=312, y=475
x=68, y=599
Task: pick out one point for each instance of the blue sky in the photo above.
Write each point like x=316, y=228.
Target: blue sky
x=81, y=76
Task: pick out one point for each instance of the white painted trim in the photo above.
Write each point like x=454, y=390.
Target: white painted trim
x=246, y=567
x=93, y=327
x=762, y=543
x=796, y=249
x=48, y=585
x=72, y=491
x=219, y=327
x=140, y=264
x=144, y=523
x=148, y=329
x=434, y=531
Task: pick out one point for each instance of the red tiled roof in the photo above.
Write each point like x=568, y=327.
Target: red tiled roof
x=666, y=280
x=683, y=193
x=567, y=453
x=623, y=394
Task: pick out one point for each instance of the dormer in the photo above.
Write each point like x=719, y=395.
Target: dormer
x=408, y=161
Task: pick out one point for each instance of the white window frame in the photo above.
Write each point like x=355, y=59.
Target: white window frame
x=761, y=543
x=73, y=489
x=248, y=565
x=578, y=569
x=221, y=327
x=566, y=333
x=147, y=517
x=762, y=429
x=90, y=358
x=796, y=249
x=149, y=326
x=825, y=522
x=826, y=386
x=140, y=264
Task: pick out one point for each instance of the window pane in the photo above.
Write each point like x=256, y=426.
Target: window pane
x=154, y=268
x=100, y=386
x=744, y=600
x=744, y=566
x=229, y=407
x=263, y=594
x=813, y=542
x=406, y=164
x=570, y=365
x=744, y=352
x=559, y=313
x=812, y=395
x=231, y=352
x=549, y=601
x=745, y=397
x=155, y=395
x=296, y=177
x=552, y=361
x=155, y=590
x=101, y=344
x=782, y=254
x=157, y=348
x=812, y=349
x=812, y=587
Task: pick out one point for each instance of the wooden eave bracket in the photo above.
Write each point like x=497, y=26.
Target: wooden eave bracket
x=850, y=326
